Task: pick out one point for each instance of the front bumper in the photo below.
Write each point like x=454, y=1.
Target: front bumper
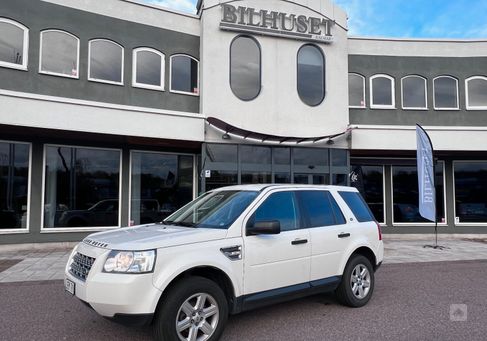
x=112, y=295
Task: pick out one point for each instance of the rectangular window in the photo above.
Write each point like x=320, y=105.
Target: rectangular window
x=14, y=185
x=470, y=191
x=280, y=206
x=160, y=184
x=318, y=209
x=82, y=187
x=369, y=180
x=406, y=197
x=358, y=206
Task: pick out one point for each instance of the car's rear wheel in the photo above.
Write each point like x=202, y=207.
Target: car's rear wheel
x=357, y=284
x=193, y=309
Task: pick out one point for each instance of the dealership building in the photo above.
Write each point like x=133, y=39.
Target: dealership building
x=115, y=113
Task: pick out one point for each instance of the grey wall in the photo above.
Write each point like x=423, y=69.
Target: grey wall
x=428, y=67
x=38, y=15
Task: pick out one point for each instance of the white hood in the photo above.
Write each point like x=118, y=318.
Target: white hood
x=153, y=236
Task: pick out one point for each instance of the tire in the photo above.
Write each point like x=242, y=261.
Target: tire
x=352, y=290
x=181, y=302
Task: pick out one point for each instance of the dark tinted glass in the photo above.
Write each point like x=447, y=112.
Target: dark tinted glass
x=279, y=206
x=106, y=61
x=149, y=68
x=339, y=157
x=310, y=157
x=317, y=209
x=446, y=93
x=184, y=74
x=356, y=91
x=477, y=92
x=414, y=92
x=282, y=178
x=255, y=155
x=369, y=180
x=245, y=68
x=256, y=178
x=340, y=179
x=381, y=91
x=14, y=172
x=161, y=184
x=311, y=75
x=11, y=43
x=282, y=156
x=59, y=53
x=471, y=192
x=222, y=153
x=219, y=179
x=358, y=206
x=78, y=181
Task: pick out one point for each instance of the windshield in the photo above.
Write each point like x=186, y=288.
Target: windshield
x=214, y=210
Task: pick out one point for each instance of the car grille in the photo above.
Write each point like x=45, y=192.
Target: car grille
x=81, y=266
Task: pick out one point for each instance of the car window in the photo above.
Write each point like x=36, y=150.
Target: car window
x=319, y=209
x=279, y=206
x=358, y=206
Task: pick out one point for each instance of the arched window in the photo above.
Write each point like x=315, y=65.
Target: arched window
x=148, y=69
x=245, y=68
x=414, y=93
x=59, y=54
x=476, y=88
x=356, y=90
x=105, y=62
x=14, y=44
x=311, y=75
x=445, y=95
x=184, y=75
x=382, y=92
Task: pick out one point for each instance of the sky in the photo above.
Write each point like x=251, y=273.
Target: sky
x=399, y=18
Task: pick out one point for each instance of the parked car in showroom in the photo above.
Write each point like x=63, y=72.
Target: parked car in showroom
x=231, y=250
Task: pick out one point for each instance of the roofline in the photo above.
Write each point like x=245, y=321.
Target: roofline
x=431, y=40
x=162, y=8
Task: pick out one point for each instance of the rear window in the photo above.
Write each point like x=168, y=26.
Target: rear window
x=358, y=206
x=320, y=209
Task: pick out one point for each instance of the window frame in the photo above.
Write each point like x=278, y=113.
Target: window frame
x=393, y=92
x=77, y=55
x=323, y=56
x=80, y=229
x=467, y=94
x=434, y=93
x=304, y=216
x=197, y=74
x=425, y=93
x=25, y=56
x=364, y=91
x=260, y=66
x=21, y=230
x=121, y=83
x=135, y=84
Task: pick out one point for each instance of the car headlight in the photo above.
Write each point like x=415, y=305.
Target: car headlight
x=132, y=262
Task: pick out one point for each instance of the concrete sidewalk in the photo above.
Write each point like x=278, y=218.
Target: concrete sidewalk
x=48, y=263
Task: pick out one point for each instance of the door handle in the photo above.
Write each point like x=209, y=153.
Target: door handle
x=344, y=235
x=299, y=241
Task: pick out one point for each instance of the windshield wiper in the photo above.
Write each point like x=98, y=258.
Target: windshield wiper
x=185, y=224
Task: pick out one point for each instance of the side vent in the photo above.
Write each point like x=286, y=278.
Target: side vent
x=232, y=252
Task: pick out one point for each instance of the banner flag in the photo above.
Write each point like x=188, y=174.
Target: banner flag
x=426, y=175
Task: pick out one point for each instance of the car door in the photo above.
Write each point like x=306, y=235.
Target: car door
x=328, y=232
x=281, y=260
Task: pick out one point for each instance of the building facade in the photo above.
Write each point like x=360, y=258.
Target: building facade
x=116, y=113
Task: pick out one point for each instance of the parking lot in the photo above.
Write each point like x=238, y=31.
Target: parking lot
x=412, y=301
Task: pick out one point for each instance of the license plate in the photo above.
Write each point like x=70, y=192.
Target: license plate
x=69, y=286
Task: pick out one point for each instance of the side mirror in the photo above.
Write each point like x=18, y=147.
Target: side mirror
x=264, y=227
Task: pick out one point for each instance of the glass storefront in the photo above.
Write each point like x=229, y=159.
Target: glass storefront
x=471, y=191
x=82, y=187
x=369, y=180
x=14, y=183
x=160, y=184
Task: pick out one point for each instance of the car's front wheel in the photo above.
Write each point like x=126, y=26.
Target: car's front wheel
x=357, y=283
x=193, y=309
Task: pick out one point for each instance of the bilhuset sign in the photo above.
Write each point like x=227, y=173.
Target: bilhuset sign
x=247, y=19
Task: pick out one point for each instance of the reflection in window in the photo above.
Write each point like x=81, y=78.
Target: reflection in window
x=219, y=179
x=256, y=164
x=81, y=187
x=320, y=209
x=339, y=157
x=406, y=198
x=14, y=173
x=414, y=92
x=311, y=75
x=184, y=74
x=356, y=91
x=369, y=180
x=245, y=68
x=160, y=184
x=311, y=157
x=382, y=92
x=105, y=61
x=470, y=191
x=255, y=155
x=222, y=153
x=445, y=92
x=148, y=69
x=59, y=53
x=14, y=40
x=477, y=93
x=279, y=206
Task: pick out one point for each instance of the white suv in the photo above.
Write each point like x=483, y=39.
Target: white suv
x=230, y=250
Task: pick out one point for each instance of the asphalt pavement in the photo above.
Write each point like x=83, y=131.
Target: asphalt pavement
x=420, y=301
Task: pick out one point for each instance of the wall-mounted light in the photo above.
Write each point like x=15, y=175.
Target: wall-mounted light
x=226, y=136
x=330, y=142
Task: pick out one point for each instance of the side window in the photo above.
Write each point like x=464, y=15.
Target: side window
x=358, y=206
x=279, y=206
x=319, y=209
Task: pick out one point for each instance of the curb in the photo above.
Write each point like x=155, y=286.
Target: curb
x=37, y=247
